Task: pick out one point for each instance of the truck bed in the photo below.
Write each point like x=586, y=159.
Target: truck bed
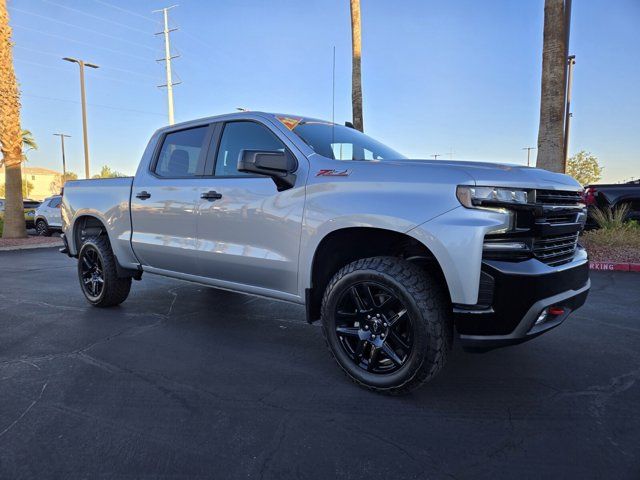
x=108, y=200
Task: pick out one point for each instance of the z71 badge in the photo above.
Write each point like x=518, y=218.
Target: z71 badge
x=333, y=173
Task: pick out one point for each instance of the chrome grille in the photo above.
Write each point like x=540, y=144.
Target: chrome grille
x=556, y=249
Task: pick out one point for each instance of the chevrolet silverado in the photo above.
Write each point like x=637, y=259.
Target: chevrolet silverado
x=395, y=257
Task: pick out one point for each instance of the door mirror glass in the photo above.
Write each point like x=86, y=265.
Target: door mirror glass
x=275, y=164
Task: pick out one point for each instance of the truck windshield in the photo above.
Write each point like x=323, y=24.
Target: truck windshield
x=343, y=143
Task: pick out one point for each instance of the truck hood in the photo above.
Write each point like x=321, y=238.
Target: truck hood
x=500, y=175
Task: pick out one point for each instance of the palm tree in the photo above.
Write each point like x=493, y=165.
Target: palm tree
x=28, y=141
x=10, y=133
x=554, y=81
x=356, y=72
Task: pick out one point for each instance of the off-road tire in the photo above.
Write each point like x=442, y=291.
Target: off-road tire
x=426, y=301
x=115, y=289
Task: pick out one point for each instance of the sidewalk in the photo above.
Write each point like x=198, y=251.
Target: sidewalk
x=31, y=241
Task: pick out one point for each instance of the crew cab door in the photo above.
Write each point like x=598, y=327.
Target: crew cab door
x=248, y=232
x=164, y=199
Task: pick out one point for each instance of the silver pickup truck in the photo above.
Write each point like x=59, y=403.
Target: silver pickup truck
x=392, y=255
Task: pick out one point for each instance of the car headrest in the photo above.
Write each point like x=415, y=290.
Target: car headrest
x=178, y=163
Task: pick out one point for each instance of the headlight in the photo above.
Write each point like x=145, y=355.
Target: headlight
x=474, y=197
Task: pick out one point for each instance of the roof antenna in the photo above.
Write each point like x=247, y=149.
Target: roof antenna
x=333, y=98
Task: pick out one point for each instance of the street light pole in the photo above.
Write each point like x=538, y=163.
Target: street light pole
x=528, y=149
x=567, y=113
x=82, y=64
x=64, y=160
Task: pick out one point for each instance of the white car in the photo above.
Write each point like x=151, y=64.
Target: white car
x=47, y=216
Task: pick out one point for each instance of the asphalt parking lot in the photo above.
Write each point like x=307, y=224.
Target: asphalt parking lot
x=182, y=381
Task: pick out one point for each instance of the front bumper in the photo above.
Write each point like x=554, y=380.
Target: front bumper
x=519, y=293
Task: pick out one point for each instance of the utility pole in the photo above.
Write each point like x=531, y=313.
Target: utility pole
x=64, y=160
x=167, y=59
x=567, y=113
x=436, y=155
x=82, y=64
x=528, y=149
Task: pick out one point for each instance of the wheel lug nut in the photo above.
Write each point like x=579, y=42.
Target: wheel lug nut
x=382, y=335
x=366, y=327
x=373, y=336
x=384, y=324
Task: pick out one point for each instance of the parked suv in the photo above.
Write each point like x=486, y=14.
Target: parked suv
x=29, y=211
x=391, y=254
x=47, y=216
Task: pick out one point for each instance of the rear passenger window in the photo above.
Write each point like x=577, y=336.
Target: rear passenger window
x=181, y=153
x=55, y=202
x=238, y=136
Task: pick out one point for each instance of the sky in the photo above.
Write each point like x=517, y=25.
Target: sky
x=458, y=78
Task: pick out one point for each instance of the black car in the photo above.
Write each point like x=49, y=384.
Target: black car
x=612, y=196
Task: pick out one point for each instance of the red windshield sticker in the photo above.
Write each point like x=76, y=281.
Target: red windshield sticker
x=333, y=173
x=289, y=122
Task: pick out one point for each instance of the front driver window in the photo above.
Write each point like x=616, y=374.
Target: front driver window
x=238, y=136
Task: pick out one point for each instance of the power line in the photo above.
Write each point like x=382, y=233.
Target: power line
x=127, y=11
x=92, y=104
x=59, y=55
x=80, y=42
x=96, y=17
x=83, y=28
x=103, y=77
x=29, y=62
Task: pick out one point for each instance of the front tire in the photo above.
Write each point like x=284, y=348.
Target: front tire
x=42, y=229
x=98, y=274
x=387, y=323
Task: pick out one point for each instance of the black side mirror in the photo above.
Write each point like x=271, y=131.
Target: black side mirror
x=277, y=165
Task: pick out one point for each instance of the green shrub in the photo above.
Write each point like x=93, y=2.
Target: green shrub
x=616, y=240
x=610, y=219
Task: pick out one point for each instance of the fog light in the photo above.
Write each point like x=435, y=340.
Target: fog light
x=542, y=317
x=504, y=246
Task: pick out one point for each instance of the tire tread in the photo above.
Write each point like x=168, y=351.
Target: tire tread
x=432, y=302
x=116, y=289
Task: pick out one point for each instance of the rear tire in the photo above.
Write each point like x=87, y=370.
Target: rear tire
x=98, y=274
x=42, y=229
x=394, y=333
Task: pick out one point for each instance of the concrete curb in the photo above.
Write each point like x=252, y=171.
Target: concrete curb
x=612, y=266
x=31, y=246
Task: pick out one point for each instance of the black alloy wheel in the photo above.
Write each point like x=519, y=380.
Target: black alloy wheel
x=374, y=327
x=42, y=229
x=98, y=273
x=387, y=322
x=91, y=273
